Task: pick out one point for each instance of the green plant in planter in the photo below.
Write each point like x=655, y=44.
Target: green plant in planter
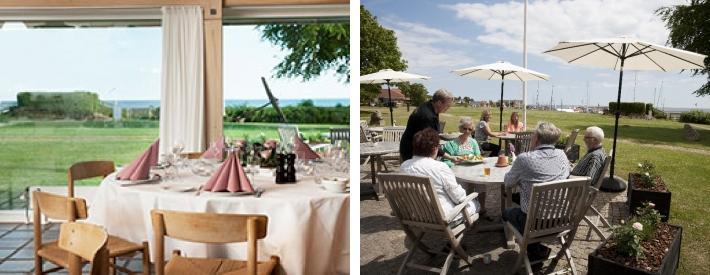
x=647, y=172
x=628, y=236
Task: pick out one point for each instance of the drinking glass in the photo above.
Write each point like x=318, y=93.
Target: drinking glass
x=486, y=171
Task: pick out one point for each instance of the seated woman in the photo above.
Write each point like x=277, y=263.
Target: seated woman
x=593, y=161
x=514, y=125
x=462, y=146
x=423, y=163
x=483, y=132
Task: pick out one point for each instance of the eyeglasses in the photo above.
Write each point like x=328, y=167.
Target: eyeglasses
x=466, y=129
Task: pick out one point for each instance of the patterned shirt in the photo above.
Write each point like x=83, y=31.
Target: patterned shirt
x=543, y=164
x=591, y=164
x=443, y=180
x=480, y=132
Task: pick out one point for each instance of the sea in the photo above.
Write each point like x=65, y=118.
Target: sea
x=322, y=102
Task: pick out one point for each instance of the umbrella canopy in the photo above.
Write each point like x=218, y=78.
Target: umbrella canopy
x=501, y=70
x=388, y=76
x=625, y=53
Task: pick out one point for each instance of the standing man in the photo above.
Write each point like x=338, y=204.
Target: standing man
x=425, y=116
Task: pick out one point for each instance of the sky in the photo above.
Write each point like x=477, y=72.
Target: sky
x=436, y=37
x=125, y=64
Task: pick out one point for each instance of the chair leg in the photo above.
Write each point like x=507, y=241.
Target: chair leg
x=146, y=259
x=519, y=260
x=447, y=263
x=528, y=267
x=112, y=266
x=38, y=265
x=601, y=218
x=409, y=255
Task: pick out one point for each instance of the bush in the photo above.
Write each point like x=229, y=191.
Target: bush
x=305, y=112
x=76, y=105
x=695, y=116
x=629, y=108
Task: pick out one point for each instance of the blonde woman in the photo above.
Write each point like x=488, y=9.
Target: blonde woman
x=514, y=125
x=483, y=131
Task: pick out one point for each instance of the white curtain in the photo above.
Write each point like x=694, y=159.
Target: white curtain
x=182, y=85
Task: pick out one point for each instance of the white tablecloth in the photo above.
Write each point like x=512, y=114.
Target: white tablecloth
x=308, y=226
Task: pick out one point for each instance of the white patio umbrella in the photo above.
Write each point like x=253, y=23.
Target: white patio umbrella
x=625, y=53
x=389, y=76
x=501, y=70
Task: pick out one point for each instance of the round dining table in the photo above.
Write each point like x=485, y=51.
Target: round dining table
x=308, y=227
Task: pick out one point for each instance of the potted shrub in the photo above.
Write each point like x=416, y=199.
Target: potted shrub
x=647, y=185
x=644, y=245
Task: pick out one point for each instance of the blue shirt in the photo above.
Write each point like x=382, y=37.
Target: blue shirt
x=543, y=164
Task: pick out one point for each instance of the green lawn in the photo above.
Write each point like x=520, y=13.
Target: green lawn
x=682, y=164
x=40, y=152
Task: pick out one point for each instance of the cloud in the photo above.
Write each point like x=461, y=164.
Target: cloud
x=425, y=47
x=552, y=21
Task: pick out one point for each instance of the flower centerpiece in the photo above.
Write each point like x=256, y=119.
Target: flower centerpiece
x=647, y=185
x=644, y=245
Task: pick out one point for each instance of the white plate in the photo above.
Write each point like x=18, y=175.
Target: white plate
x=153, y=179
x=227, y=194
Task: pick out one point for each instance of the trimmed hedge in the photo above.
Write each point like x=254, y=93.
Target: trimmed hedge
x=304, y=112
x=630, y=108
x=76, y=105
x=695, y=116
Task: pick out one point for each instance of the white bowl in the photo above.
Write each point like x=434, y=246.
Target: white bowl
x=335, y=184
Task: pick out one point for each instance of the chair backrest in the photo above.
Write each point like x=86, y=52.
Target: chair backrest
x=392, y=133
x=556, y=206
x=523, y=142
x=363, y=135
x=413, y=200
x=571, y=139
x=599, y=177
x=88, y=169
x=86, y=241
x=208, y=228
x=363, y=123
x=56, y=207
x=339, y=134
x=442, y=125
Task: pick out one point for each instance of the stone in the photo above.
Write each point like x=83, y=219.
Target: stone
x=689, y=133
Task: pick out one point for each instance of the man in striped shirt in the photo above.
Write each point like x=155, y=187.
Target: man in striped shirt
x=593, y=161
x=543, y=164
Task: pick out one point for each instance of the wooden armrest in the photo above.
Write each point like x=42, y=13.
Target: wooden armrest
x=461, y=206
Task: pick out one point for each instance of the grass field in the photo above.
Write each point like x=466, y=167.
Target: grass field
x=40, y=152
x=683, y=164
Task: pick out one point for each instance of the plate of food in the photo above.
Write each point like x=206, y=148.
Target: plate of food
x=155, y=178
x=472, y=159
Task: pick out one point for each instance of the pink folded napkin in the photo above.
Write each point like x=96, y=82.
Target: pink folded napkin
x=139, y=169
x=215, y=150
x=302, y=150
x=230, y=177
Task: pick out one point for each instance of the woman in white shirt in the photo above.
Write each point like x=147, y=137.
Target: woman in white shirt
x=424, y=163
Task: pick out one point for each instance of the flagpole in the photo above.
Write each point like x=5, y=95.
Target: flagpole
x=525, y=62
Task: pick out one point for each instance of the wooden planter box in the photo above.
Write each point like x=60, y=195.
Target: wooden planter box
x=603, y=266
x=636, y=197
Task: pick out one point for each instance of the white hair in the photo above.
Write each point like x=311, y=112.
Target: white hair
x=465, y=120
x=596, y=132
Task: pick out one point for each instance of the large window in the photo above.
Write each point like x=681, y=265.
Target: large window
x=69, y=94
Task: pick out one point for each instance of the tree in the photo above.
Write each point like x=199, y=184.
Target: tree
x=378, y=50
x=313, y=49
x=416, y=92
x=690, y=30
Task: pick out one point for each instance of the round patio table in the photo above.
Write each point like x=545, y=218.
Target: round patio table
x=375, y=151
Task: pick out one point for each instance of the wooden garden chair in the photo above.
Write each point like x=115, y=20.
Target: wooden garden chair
x=339, y=134
x=414, y=203
x=553, y=214
x=571, y=139
x=87, y=242
x=599, y=179
x=391, y=134
x=214, y=229
x=523, y=142
x=86, y=170
x=63, y=208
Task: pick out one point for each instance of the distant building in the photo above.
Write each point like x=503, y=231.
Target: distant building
x=398, y=98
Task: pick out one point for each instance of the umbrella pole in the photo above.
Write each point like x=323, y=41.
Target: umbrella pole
x=617, y=113
x=389, y=94
x=500, y=127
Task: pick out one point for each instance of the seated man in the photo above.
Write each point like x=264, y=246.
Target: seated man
x=542, y=164
x=423, y=163
x=594, y=159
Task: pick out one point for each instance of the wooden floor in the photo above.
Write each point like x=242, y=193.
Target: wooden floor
x=16, y=249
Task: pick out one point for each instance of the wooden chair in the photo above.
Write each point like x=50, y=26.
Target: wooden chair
x=414, y=203
x=597, y=180
x=86, y=170
x=84, y=241
x=71, y=209
x=191, y=155
x=570, y=140
x=339, y=134
x=523, y=142
x=554, y=215
x=209, y=228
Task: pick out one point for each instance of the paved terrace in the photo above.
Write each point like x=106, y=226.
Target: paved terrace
x=382, y=241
